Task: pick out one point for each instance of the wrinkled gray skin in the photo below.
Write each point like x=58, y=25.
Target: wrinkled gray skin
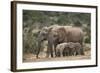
x=74, y=48
x=78, y=48
x=68, y=49
x=65, y=34
x=59, y=34
x=62, y=49
x=43, y=35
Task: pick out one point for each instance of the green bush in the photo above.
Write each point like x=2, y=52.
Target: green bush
x=88, y=40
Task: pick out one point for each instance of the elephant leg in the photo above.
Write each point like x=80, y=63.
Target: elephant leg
x=78, y=52
x=64, y=53
x=74, y=51
x=82, y=49
x=57, y=53
x=61, y=53
x=55, y=49
x=50, y=48
x=68, y=52
x=71, y=53
x=49, y=52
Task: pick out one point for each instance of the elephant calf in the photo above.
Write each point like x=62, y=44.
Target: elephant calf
x=60, y=49
x=68, y=49
x=74, y=48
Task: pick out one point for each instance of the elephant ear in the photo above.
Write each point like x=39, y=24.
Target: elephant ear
x=61, y=34
x=45, y=28
x=48, y=29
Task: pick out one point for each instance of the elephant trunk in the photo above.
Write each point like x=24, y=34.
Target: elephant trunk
x=38, y=48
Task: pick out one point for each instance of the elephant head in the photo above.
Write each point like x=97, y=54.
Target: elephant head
x=43, y=34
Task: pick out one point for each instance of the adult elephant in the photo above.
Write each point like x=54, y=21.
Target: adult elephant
x=63, y=34
x=59, y=34
x=42, y=36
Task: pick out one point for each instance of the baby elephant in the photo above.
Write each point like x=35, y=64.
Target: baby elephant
x=68, y=49
x=73, y=48
x=60, y=49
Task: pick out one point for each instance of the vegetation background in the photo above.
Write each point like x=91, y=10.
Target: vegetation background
x=33, y=21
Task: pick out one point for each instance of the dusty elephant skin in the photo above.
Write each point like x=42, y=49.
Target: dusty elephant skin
x=43, y=35
x=58, y=34
x=62, y=49
x=73, y=48
x=68, y=49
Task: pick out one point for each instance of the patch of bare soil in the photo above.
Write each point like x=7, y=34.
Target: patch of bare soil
x=29, y=57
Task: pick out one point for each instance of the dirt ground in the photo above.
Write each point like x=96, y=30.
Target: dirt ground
x=29, y=57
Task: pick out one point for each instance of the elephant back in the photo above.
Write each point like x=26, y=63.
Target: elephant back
x=74, y=34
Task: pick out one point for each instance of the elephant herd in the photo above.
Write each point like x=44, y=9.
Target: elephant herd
x=62, y=40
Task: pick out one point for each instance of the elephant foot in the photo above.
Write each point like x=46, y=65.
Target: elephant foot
x=52, y=56
x=83, y=53
x=47, y=56
x=37, y=57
